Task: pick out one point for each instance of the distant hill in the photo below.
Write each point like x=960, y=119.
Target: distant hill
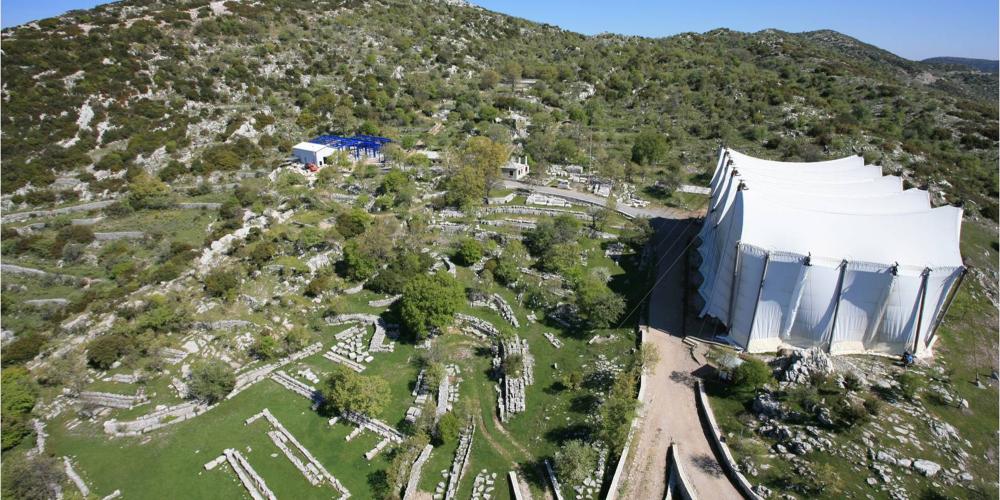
x=182, y=88
x=984, y=65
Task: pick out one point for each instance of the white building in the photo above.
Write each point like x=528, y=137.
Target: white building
x=308, y=152
x=514, y=169
x=829, y=254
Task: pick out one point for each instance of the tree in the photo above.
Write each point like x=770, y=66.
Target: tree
x=488, y=79
x=637, y=233
x=598, y=306
x=649, y=147
x=353, y=222
x=429, y=303
x=403, y=268
x=211, y=381
x=511, y=72
x=265, y=347
x=358, y=265
x=345, y=390
x=551, y=232
x=30, y=478
x=19, y=397
x=575, y=462
x=146, y=191
x=103, y=351
x=468, y=251
x=447, y=429
x=752, y=374
x=617, y=411
x=478, y=169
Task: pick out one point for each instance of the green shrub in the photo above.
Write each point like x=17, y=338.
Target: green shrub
x=211, y=381
x=468, y=251
x=104, y=351
x=222, y=282
x=752, y=374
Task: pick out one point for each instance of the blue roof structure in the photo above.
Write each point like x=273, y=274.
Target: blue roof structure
x=368, y=144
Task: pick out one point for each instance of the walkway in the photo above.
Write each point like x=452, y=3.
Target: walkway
x=669, y=413
x=650, y=212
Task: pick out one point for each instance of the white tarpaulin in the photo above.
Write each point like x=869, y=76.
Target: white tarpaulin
x=828, y=254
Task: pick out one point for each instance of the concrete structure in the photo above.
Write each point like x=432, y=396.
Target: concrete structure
x=514, y=169
x=307, y=152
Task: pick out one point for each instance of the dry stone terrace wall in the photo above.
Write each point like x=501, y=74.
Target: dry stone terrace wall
x=252, y=481
x=460, y=463
x=312, y=469
x=497, y=303
x=412, y=483
x=165, y=416
x=535, y=211
x=112, y=400
x=477, y=327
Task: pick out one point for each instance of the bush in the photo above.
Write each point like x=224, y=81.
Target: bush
x=23, y=348
x=468, y=251
x=575, y=461
x=211, y=381
x=752, y=374
x=907, y=385
x=105, y=351
x=353, y=223
x=30, y=478
x=447, y=429
x=222, y=282
x=19, y=397
x=873, y=405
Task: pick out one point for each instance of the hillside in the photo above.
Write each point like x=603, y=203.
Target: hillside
x=145, y=83
x=984, y=65
x=168, y=274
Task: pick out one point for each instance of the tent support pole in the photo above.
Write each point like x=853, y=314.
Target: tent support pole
x=732, y=286
x=836, y=305
x=947, y=304
x=920, y=311
x=760, y=289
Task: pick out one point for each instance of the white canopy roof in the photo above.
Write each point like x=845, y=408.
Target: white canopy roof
x=828, y=254
x=927, y=238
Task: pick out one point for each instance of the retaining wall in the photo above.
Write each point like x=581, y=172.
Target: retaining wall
x=719, y=444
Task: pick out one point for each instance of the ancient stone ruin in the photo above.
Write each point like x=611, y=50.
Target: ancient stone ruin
x=301, y=458
x=512, y=387
x=477, y=327
x=497, y=303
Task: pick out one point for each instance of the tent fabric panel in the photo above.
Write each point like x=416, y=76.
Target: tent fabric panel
x=939, y=282
x=863, y=293
x=751, y=273
x=814, y=315
x=777, y=296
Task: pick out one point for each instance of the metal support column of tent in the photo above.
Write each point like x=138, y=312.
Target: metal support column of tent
x=947, y=304
x=836, y=305
x=924, y=276
x=732, y=286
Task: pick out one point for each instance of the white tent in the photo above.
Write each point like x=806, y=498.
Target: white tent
x=825, y=254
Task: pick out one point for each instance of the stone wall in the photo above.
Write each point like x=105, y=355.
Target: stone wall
x=411, y=490
x=719, y=444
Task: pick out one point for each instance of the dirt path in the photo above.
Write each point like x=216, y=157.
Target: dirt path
x=668, y=410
